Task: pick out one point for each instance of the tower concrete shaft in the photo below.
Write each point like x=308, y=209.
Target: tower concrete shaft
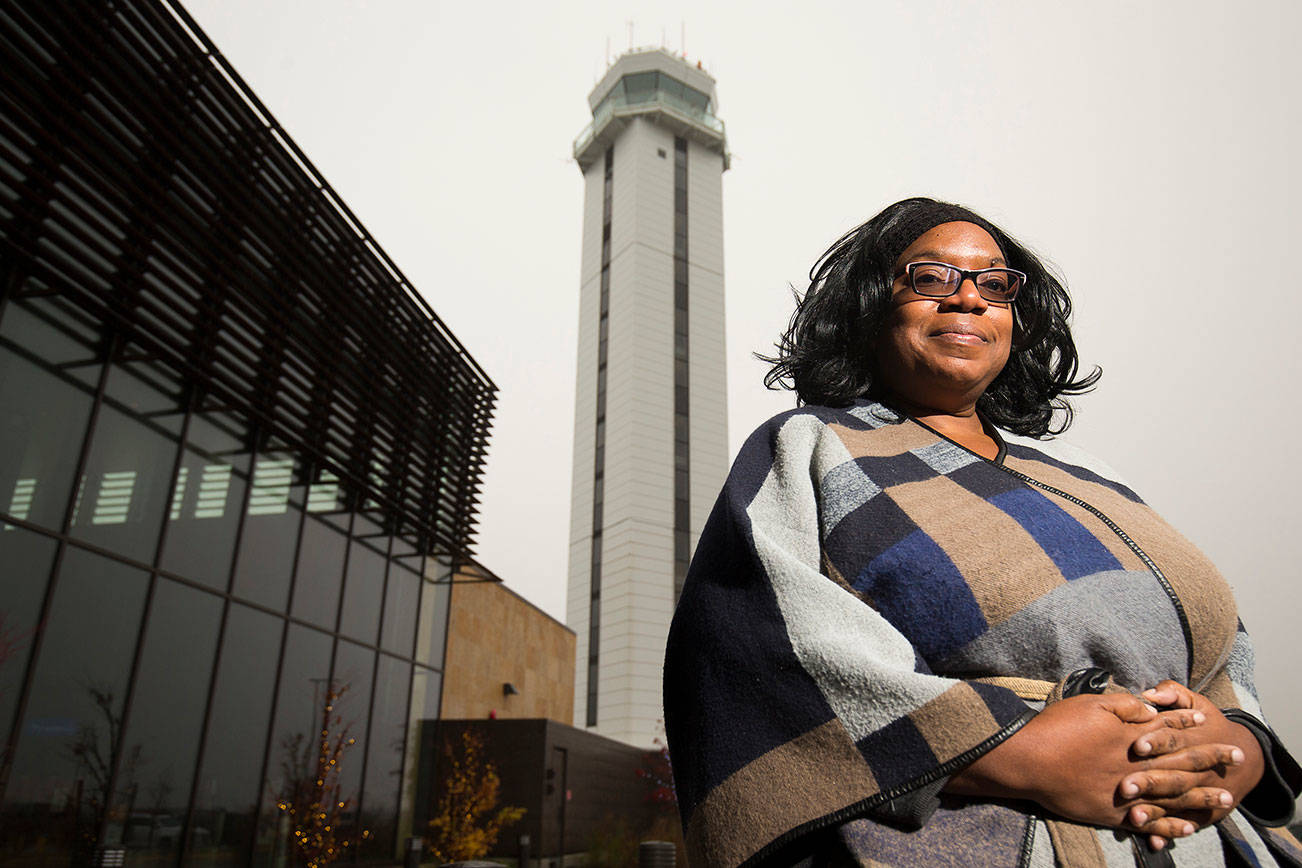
x=650, y=425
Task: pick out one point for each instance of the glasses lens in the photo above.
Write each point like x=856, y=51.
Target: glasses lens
x=934, y=279
x=998, y=285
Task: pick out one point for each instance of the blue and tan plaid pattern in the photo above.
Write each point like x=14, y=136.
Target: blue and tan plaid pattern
x=857, y=573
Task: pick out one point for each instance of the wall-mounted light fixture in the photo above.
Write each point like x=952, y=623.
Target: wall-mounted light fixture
x=508, y=689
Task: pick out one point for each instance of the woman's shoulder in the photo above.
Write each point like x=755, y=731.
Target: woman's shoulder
x=1060, y=451
x=791, y=454
x=813, y=421
x=861, y=414
x=814, y=438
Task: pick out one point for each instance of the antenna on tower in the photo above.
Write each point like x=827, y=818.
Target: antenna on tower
x=682, y=37
x=630, y=35
x=607, y=52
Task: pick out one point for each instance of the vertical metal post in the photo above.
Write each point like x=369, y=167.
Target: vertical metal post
x=561, y=762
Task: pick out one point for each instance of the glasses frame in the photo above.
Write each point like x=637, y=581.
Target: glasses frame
x=965, y=275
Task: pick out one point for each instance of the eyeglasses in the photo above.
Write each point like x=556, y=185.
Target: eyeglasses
x=941, y=280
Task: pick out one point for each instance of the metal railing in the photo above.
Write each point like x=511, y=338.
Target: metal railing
x=657, y=101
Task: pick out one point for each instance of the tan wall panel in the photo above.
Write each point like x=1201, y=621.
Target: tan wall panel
x=496, y=637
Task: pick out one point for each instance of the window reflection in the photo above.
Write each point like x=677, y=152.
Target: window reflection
x=207, y=495
x=433, y=622
x=209, y=492
x=300, y=700
x=41, y=435
x=405, y=543
x=168, y=415
x=27, y=558
x=320, y=573
x=640, y=87
x=56, y=333
x=421, y=754
x=269, y=538
x=354, y=669
x=226, y=796
x=146, y=390
x=384, y=754
x=123, y=493
x=400, y=610
x=71, y=731
x=644, y=87
x=363, y=590
x=273, y=480
x=671, y=87
x=327, y=498
x=369, y=525
x=167, y=710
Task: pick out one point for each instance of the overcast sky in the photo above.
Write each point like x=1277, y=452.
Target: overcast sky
x=1148, y=149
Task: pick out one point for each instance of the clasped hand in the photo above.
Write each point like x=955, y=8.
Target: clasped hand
x=1203, y=732
x=1116, y=760
x=1162, y=772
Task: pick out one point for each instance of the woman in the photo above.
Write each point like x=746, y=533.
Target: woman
x=889, y=647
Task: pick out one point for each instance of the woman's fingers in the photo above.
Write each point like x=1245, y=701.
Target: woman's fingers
x=1162, y=741
x=1181, y=718
x=1165, y=736
x=1170, y=694
x=1158, y=784
x=1152, y=820
x=1198, y=758
x=1127, y=708
x=1178, y=797
x=1170, y=741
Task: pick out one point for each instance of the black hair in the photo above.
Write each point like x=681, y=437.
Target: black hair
x=827, y=352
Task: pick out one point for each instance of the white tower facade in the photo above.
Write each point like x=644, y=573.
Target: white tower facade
x=650, y=425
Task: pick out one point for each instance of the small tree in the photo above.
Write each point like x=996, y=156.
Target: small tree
x=658, y=775
x=11, y=639
x=661, y=798
x=310, y=792
x=95, y=761
x=468, y=821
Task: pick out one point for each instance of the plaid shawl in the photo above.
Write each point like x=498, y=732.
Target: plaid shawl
x=856, y=574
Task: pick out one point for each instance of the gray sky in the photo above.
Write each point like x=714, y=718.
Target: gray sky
x=1146, y=149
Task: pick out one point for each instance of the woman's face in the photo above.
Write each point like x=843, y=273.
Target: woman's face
x=941, y=353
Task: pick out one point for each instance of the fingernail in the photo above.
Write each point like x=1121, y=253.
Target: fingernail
x=1142, y=747
x=1130, y=789
x=1141, y=817
x=1188, y=829
x=1225, y=799
x=1236, y=755
x=1199, y=717
x=1159, y=843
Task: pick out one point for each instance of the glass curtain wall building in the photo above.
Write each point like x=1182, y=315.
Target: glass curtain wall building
x=239, y=459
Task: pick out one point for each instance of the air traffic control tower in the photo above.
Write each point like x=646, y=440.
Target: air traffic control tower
x=650, y=423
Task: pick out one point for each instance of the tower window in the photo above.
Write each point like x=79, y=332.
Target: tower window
x=682, y=461
x=599, y=455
